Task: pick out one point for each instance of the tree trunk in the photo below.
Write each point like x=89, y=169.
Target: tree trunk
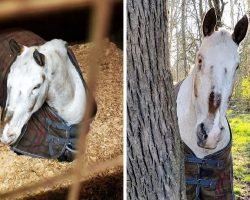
x=201, y=12
x=154, y=159
x=219, y=6
x=201, y=9
x=232, y=13
x=198, y=17
x=177, y=54
x=183, y=34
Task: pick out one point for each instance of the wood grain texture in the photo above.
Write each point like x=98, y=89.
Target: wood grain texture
x=154, y=158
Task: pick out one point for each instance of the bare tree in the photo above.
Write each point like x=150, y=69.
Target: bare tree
x=219, y=6
x=201, y=12
x=177, y=55
x=154, y=159
x=183, y=34
x=198, y=16
x=232, y=13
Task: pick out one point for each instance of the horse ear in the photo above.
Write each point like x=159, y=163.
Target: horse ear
x=240, y=30
x=209, y=22
x=15, y=48
x=39, y=58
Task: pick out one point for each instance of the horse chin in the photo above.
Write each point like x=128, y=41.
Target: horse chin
x=10, y=134
x=206, y=146
x=9, y=138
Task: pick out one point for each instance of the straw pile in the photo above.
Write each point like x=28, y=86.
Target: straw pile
x=104, y=140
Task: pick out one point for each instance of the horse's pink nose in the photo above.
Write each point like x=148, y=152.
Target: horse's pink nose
x=11, y=137
x=8, y=138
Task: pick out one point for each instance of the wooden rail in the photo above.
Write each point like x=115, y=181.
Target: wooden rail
x=10, y=9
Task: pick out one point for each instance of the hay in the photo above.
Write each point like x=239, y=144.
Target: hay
x=104, y=139
x=102, y=186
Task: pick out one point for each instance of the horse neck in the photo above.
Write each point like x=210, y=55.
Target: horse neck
x=185, y=103
x=187, y=116
x=67, y=94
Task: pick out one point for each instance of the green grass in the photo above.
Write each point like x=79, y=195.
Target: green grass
x=240, y=125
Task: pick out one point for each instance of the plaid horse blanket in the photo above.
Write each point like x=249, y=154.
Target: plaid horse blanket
x=210, y=178
x=45, y=135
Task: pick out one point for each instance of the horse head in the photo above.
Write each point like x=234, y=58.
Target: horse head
x=27, y=87
x=216, y=65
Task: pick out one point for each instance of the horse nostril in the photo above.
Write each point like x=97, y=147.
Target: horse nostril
x=3, y=114
x=202, y=125
x=8, y=116
x=203, y=128
x=203, y=131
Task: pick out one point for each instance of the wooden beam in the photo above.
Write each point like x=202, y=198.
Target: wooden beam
x=15, y=8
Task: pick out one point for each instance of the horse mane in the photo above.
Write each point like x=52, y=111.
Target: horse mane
x=55, y=45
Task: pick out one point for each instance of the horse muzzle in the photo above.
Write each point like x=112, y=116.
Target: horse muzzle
x=205, y=146
x=8, y=137
x=203, y=137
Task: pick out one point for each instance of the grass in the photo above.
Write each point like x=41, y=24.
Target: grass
x=240, y=125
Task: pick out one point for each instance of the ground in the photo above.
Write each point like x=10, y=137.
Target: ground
x=240, y=125
x=104, y=139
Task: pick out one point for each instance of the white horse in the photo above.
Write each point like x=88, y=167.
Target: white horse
x=203, y=96
x=42, y=74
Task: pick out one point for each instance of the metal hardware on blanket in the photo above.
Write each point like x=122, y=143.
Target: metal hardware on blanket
x=200, y=182
x=69, y=142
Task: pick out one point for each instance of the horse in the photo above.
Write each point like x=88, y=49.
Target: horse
x=202, y=101
x=40, y=80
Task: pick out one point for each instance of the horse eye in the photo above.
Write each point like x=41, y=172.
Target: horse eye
x=36, y=87
x=237, y=67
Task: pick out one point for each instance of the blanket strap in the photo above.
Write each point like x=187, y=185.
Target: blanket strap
x=199, y=182
x=204, y=162
x=69, y=141
x=206, y=183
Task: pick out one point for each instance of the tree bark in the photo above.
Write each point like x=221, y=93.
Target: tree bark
x=154, y=158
